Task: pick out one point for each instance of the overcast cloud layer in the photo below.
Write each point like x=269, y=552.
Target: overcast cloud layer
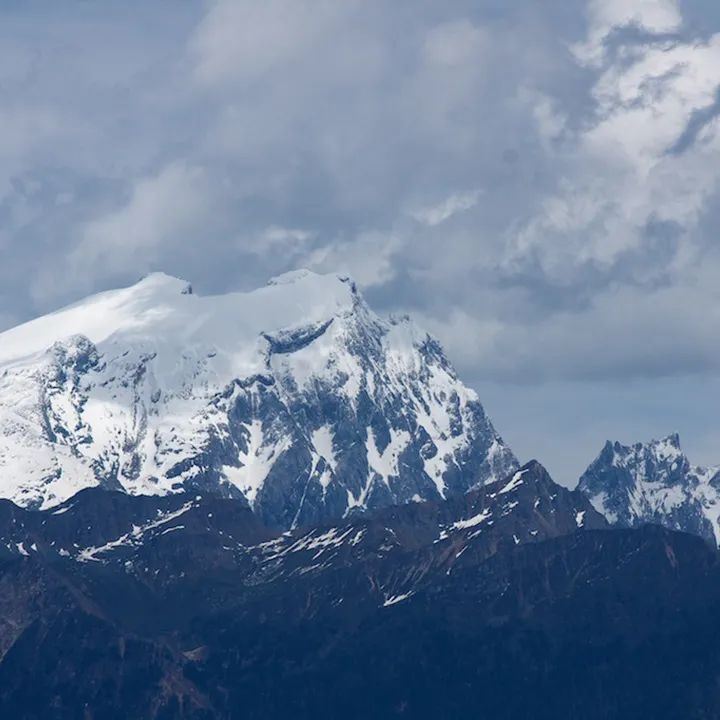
x=536, y=182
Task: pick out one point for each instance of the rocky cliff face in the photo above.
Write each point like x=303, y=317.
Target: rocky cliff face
x=295, y=398
x=654, y=483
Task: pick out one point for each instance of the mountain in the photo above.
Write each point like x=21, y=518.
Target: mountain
x=108, y=527
x=295, y=398
x=512, y=601
x=654, y=482
x=186, y=606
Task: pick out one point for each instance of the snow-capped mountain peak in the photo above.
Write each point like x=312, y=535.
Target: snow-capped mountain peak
x=295, y=397
x=162, y=306
x=654, y=482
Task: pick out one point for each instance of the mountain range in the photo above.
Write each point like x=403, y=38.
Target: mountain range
x=278, y=504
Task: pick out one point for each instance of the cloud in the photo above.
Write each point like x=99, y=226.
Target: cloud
x=455, y=43
x=622, y=180
x=244, y=41
x=162, y=211
x=279, y=239
x=25, y=129
x=627, y=333
x=606, y=16
x=436, y=214
x=369, y=258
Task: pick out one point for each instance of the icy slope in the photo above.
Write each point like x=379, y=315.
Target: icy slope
x=295, y=396
x=654, y=483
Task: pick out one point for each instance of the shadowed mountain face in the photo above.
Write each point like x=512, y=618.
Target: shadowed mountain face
x=295, y=398
x=512, y=601
x=633, y=485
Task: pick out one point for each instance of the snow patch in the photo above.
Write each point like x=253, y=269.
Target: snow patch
x=474, y=521
x=255, y=462
x=514, y=483
x=395, y=599
x=385, y=463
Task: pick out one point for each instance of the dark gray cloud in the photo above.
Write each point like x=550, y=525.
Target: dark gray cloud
x=537, y=182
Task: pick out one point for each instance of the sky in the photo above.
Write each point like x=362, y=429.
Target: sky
x=534, y=181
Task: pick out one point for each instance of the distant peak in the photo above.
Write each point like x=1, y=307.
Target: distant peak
x=664, y=450
x=671, y=441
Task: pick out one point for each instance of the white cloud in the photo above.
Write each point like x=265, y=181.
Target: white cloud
x=621, y=173
x=369, y=258
x=243, y=40
x=276, y=239
x=436, y=214
x=551, y=123
x=605, y=16
x=162, y=211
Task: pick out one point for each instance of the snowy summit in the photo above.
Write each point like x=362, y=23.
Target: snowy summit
x=295, y=397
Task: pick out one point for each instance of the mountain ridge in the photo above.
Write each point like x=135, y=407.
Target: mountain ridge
x=446, y=609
